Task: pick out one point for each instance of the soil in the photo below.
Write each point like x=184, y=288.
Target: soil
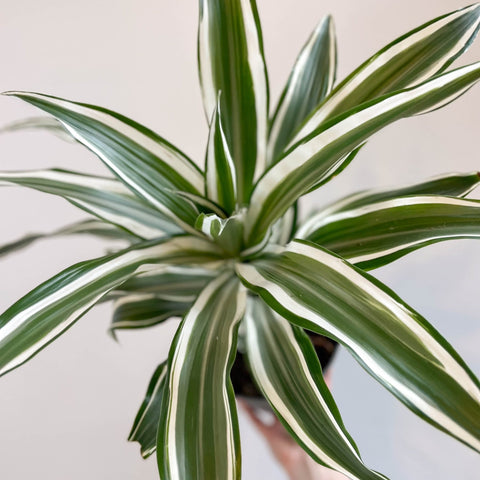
x=243, y=383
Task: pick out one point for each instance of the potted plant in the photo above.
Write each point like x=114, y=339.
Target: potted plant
x=222, y=247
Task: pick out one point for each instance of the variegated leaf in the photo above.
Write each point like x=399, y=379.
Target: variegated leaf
x=144, y=310
x=198, y=432
x=311, y=79
x=145, y=162
x=408, y=60
x=47, y=311
x=317, y=290
x=145, y=426
x=230, y=54
x=106, y=198
x=323, y=152
x=283, y=362
x=220, y=174
x=89, y=227
x=39, y=123
x=373, y=235
x=177, y=284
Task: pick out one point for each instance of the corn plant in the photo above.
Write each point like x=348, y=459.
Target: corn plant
x=221, y=246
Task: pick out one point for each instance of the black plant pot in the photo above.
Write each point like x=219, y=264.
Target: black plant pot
x=243, y=383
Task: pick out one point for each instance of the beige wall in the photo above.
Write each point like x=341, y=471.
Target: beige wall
x=65, y=415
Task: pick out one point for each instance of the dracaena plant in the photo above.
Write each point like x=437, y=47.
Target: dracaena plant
x=221, y=247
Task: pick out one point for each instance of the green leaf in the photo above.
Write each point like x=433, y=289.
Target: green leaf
x=450, y=185
x=284, y=363
x=144, y=310
x=321, y=154
x=226, y=233
x=179, y=284
x=106, y=198
x=145, y=426
x=231, y=61
x=198, y=432
x=317, y=290
x=145, y=162
x=408, y=60
x=311, y=79
x=220, y=175
x=90, y=227
x=373, y=235
x=39, y=123
x=47, y=311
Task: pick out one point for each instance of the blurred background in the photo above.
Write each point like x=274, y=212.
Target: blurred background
x=66, y=414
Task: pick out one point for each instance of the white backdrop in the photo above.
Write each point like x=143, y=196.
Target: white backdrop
x=66, y=414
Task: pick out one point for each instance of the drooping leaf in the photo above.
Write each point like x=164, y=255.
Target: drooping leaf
x=177, y=284
x=284, y=363
x=89, y=227
x=322, y=153
x=311, y=79
x=408, y=60
x=144, y=310
x=198, y=432
x=230, y=55
x=47, y=311
x=39, y=123
x=145, y=162
x=373, y=235
x=106, y=198
x=145, y=426
x=317, y=290
x=220, y=175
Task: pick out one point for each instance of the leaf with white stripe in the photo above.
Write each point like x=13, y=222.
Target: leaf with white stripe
x=220, y=175
x=106, y=198
x=178, y=284
x=144, y=161
x=283, y=362
x=231, y=61
x=85, y=227
x=322, y=153
x=144, y=310
x=198, y=432
x=311, y=79
x=47, y=311
x=373, y=235
x=317, y=290
x=408, y=60
x=145, y=426
x=450, y=185
x=49, y=124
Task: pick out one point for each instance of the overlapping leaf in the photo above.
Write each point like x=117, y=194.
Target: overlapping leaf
x=230, y=55
x=284, y=363
x=319, y=291
x=375, y=234
x=145, y=162
x=51, y=308
x=322, y=153
x=198, y=431
x=103, y=197
x=408, y=60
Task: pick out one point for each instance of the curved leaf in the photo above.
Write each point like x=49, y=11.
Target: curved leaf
x=145, y=426
x=371, y=236
x=103, y=197
x=230, y=56
x=284, y=363
x=39, y=123
x=47, y=311
x=321, y=154
x=198, y=431
x=408, y=60
x=317, y=290
x=145, y=162
x=311, y=79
